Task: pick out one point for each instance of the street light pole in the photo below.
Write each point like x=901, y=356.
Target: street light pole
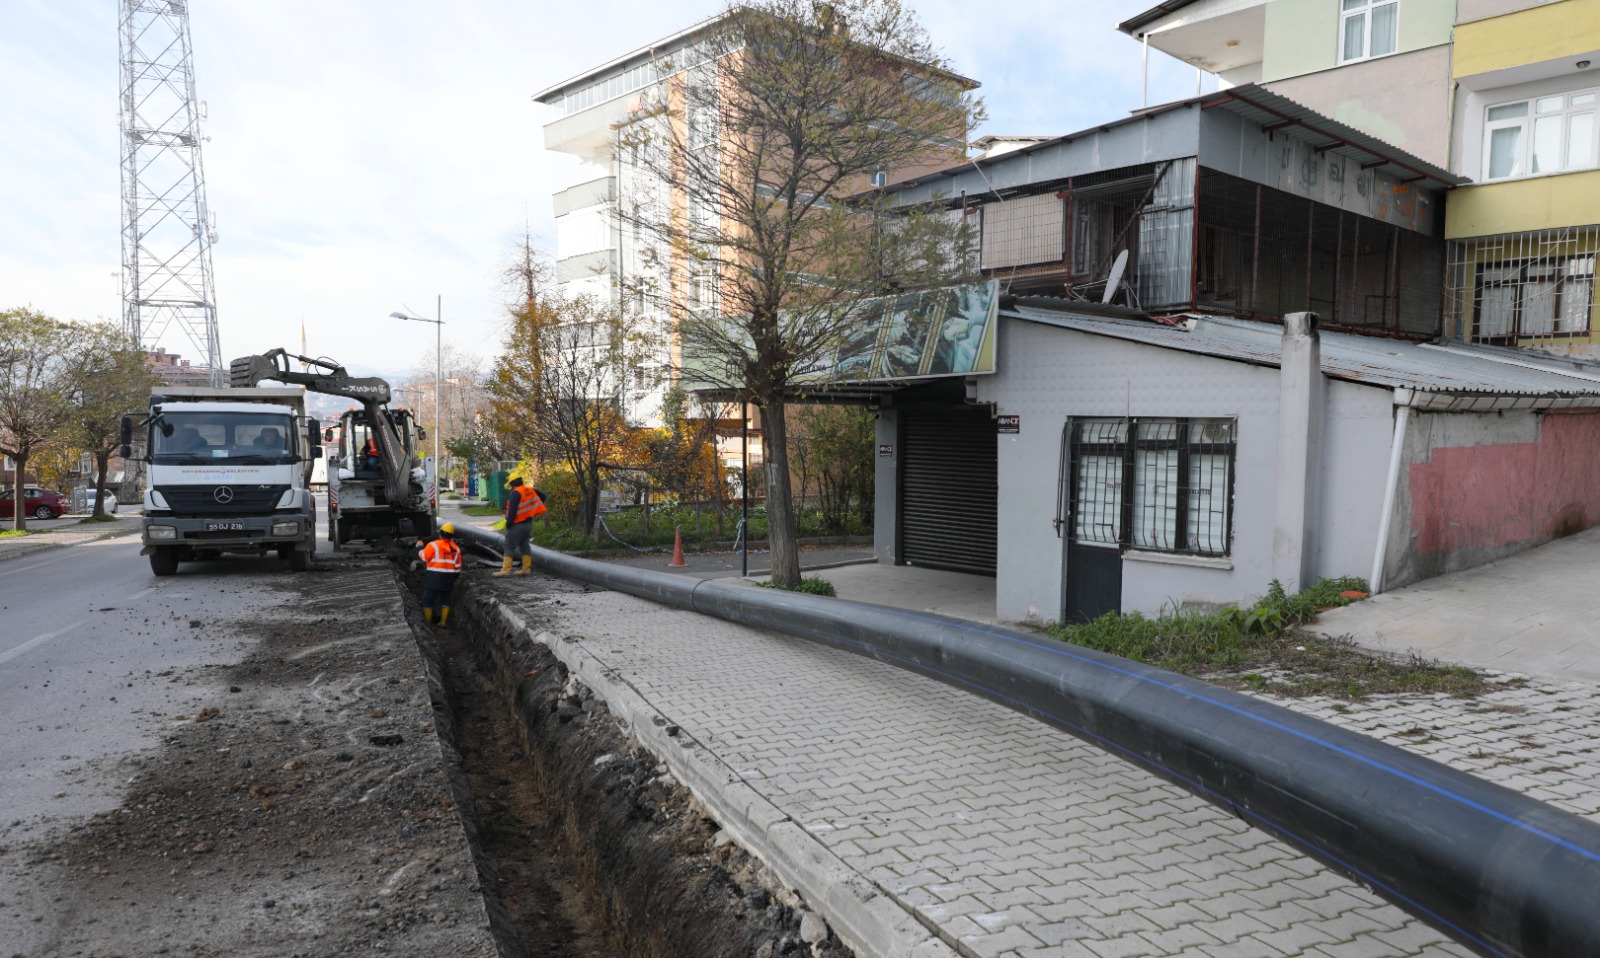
x=438, y=365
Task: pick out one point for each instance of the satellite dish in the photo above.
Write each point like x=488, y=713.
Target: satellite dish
x=1115, y=279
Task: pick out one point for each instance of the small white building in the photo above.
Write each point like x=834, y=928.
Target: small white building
x=1143, y=464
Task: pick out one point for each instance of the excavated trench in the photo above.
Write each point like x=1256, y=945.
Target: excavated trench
x=585, y=845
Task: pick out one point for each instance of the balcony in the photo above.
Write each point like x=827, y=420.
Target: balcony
x=590, y=134
x=1225, y=37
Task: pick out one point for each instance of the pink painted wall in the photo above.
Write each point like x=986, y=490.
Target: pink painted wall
x=1492, y=500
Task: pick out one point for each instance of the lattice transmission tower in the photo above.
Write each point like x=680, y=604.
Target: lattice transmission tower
x=167, y=232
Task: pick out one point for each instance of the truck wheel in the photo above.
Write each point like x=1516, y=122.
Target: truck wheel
x=164, y=560
x=299, y=560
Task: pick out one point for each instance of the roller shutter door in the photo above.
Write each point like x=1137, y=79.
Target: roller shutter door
x=948, y=483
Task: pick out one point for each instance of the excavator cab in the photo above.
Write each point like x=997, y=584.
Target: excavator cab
x=378, y=485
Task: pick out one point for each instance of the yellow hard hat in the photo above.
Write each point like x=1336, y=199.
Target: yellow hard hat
x=448, y=529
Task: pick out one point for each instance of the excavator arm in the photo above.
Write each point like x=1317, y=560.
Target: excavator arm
x=332, y=380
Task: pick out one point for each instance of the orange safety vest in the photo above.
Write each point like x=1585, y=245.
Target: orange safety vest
x=530, y=506
x=442, y=555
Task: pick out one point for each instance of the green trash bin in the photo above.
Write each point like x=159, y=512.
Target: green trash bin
x=495, y=492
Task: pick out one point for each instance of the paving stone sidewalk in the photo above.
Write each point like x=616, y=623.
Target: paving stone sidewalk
x=1011, y=838
x=56, y=536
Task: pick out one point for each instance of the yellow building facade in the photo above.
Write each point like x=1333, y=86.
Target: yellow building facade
x=1525, y=234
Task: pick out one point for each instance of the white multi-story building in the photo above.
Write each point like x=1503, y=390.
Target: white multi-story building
x=599, y=253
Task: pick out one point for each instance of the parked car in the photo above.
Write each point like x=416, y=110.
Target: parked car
x=36, y=502
x=88, y=502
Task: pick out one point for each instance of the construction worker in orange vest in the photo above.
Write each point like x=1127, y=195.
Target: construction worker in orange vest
x=442, y=559
x=522, y=506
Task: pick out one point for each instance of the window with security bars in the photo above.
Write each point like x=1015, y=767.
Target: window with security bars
x=1158, y=485
x=1524, y=289
x=1541, y=298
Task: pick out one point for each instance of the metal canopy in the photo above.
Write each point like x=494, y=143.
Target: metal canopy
x=1451, y=375
x=1270, y=111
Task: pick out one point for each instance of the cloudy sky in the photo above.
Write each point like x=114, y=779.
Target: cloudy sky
x=368, y=156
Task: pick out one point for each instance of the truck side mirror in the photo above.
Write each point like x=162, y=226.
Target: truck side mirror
x=314, y=432
x=125, y=437
x=316, y=452
x=422, y=433
x=327, y=434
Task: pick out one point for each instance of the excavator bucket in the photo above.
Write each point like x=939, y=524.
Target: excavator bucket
x=247, y=371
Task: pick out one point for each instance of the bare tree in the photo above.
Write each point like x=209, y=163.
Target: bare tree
x=747, y=184
x=445, y=393
x=35, y=389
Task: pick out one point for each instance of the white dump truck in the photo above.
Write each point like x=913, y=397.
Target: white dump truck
x=229, y=471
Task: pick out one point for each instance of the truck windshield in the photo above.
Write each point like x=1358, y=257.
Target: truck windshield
x=241, y=438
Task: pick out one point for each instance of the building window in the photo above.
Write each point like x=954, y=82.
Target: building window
x=702, y=124
x=1157, y=485
x=1547, y=297
x=1546, y=134
x=1368, y=28
x=703, y=289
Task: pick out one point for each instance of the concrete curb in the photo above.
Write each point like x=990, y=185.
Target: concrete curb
x=867, y=917
x=43, y=544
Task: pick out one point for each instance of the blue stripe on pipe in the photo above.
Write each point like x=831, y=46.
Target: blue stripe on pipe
x=1519, y=900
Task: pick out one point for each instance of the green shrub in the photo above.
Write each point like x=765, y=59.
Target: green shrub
x=811, y=584
x=1221, y=639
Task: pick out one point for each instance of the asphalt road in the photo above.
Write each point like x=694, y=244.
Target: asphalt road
x=95, y=660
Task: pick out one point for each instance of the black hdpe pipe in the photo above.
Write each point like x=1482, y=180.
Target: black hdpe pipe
x=1500, y=872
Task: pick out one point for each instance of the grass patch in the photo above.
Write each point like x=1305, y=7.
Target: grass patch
x=1260, y=648
x=99, y=518
x=14, y=533
x=811, y=584
x=482, y=510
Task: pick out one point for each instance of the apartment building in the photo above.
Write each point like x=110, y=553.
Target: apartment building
x=606, y=247
x=1504, y=93
x=1381, y=66
x=1523, y=237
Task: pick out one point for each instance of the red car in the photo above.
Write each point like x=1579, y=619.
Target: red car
x=36, y=502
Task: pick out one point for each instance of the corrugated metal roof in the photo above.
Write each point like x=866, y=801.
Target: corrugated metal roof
x=1448, y=370
x=1270, y=111
x=1252, y=102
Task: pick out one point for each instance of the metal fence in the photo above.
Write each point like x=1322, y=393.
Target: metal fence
x=1193, y=238
x=1532, y=289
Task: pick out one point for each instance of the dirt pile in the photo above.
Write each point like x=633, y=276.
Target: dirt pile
x=304, y=813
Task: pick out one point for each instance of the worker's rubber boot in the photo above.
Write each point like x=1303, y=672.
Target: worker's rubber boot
x=505, y=567
x=444, y=616
x=427, y=615
x=527, y=565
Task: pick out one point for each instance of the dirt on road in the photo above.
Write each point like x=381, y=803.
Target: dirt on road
x=304, y=811
x=328, y=798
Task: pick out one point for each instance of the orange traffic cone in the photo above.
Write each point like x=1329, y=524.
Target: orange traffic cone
x=677, y=551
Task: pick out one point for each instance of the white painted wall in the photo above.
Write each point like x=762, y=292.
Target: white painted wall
x=1047, y=374
x=1358, y=430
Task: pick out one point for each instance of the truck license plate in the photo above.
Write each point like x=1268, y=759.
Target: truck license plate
x=224, y=527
